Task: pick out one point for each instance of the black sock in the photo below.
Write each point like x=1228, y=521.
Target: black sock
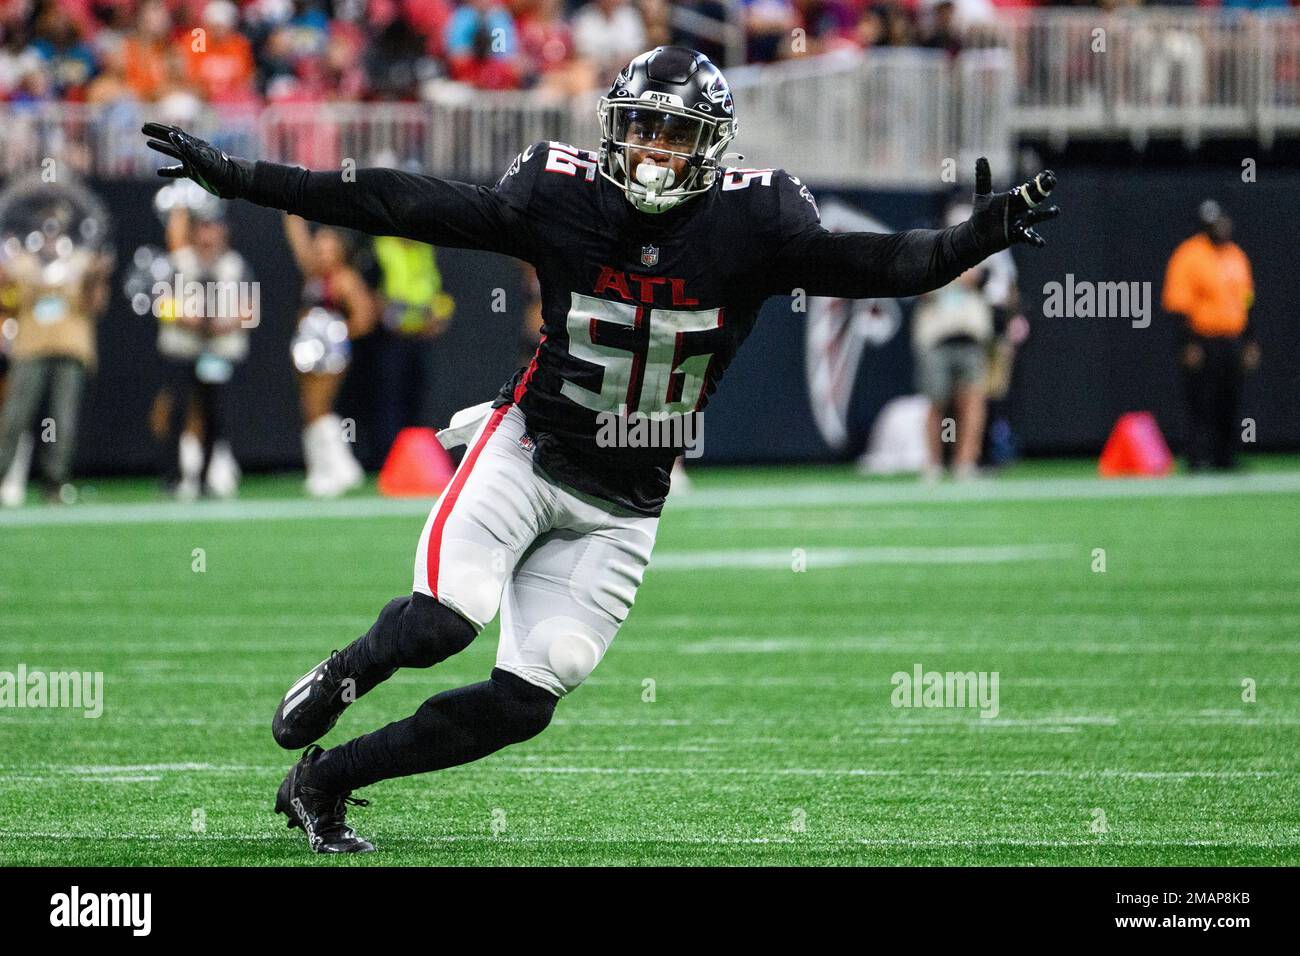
x=452, y=728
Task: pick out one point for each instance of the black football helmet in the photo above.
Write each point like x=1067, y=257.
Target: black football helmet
x=678, y=104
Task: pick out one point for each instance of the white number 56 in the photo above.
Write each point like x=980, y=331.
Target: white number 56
x=651, y=378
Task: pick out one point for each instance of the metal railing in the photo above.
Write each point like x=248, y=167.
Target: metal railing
x=1139, y=72
x=890, y=117
x=106, y=141
x=845, y=118
x=886, y=119
x=469, y=137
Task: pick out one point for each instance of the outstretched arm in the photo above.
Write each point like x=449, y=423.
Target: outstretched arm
x=299, y=236
x=382, y=202
x=389, y=202
x=363, y=311
x=858, y=265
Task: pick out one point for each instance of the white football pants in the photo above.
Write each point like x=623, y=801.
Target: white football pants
x=563, y=567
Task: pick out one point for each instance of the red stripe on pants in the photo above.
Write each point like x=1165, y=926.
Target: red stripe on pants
x=528, y=374
x=453, y=492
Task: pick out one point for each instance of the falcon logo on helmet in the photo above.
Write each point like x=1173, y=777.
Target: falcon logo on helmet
x=664, y=126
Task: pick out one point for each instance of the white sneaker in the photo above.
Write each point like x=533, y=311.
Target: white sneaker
x=321, y=482
x=348, y=473
x=347, y=469
x=223, y=472
x=13, y=495
x=187, y=490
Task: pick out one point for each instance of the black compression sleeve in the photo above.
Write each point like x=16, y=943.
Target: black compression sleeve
x=389, y=202
x=859, y=265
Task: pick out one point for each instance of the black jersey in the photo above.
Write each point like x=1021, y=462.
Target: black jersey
x=641, y=313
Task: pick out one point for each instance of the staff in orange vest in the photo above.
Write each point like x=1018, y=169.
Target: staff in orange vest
x=1208, y=282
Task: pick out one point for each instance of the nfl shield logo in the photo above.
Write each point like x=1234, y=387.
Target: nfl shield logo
x=649, y=255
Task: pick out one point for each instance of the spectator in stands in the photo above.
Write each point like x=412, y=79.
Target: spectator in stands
x=710, y=45
x=768, y=28
x=896, y=26
x=277, y=62
x=546, y=42
x=12, y=67
x=1208, y=282
x=341, y=66
x=68, y=60
x=116, y=106
x=147, y=51
x=828, y=24
x=608, y=33
x=969, y=13
x=943, y=33
x=406, y=46
x=482, y=46
x=178, y=101
x=331, y=71
x=885, y=24
x=427, y=18
x=220, y=59
x=111, y=85
x=870, y=31
x=34, y=83
x=656, y=15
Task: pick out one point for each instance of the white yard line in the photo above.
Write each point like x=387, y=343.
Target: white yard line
x=814, y=494
x=637, y=839
x=56, y=770
x=784, y=559
x=807, y=494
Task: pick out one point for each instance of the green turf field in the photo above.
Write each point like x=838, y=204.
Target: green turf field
x=771, y=737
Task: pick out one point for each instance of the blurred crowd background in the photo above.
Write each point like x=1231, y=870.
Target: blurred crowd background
x=179, y=53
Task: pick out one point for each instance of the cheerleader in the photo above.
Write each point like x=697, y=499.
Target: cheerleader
x=337, y=307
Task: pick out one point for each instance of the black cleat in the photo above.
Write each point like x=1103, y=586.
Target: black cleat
x=322, y=816
x=313, y=704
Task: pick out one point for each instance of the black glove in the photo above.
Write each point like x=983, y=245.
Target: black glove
x=221, y=175
x=1010, y=217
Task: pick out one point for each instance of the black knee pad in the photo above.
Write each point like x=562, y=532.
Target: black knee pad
x=525, y=709
x=430, y=632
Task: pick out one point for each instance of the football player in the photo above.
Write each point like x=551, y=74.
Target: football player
x=653, y=258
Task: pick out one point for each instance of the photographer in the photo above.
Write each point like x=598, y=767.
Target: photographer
x=58, y=289
x=199, y=351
